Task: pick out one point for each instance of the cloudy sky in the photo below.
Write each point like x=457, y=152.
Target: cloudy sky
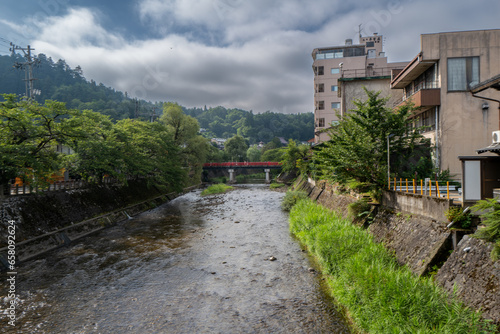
x=249, y=54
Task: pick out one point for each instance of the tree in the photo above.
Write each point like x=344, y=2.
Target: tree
x=253, y=154
x=29, y=133
x=184, y=131
x=272, y=155
x=150, y=153
x=181, y=126
x=236, y=148
x=291, y=155
x=357, y=149
x=99, y=148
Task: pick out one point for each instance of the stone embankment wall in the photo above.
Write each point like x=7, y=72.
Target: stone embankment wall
x=415, y=228
x=49, y=220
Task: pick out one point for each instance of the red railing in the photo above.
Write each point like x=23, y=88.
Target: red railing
x=242, y=164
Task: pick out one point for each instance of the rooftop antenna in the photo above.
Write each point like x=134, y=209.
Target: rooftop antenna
x=359, y=33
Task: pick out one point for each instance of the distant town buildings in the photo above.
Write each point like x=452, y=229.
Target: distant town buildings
x=340, y=72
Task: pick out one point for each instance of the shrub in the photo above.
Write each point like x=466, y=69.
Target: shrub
x=455, y=214
x=491, y=220
x=291, y=198
x=359, y=209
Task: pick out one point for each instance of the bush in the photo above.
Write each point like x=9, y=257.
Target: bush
x=291, y=198
x=359, y=209
x=455, y=214
x=491, y=221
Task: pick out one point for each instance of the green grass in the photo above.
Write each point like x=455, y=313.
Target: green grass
x=291, y=198
x=379, y=295
x=277, y=185
x=216, y=189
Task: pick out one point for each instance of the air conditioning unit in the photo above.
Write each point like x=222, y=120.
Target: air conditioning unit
x=495, y=135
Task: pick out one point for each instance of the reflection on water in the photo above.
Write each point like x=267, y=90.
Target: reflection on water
x=195, y=265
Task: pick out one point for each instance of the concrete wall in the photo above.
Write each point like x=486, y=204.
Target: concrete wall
x=475, y=279
x=430, y=207
x=49, y=220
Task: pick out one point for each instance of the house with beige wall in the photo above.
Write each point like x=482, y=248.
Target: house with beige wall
x=340, y=72
x=439, y=81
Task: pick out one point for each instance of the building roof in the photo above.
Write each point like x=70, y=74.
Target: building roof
x=414, y=68
x=493, y=148
x=493, y=82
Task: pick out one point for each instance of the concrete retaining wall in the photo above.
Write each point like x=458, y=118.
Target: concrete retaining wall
x=473, y=276
x=431, y=207
x=50, y=220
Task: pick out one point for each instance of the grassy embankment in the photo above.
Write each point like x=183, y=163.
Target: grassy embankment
x=379, y=296
x=216, y=189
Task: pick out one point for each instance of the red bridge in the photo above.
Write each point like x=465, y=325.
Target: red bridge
x=223, y=165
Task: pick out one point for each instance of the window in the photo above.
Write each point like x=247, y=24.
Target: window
x=320, y=88
x=321, y=122
x=370, y=44
x=335, y=88
x=462, y=73
x=335, y=70
x=335, y=105
x=319, y=70
x=321, y=105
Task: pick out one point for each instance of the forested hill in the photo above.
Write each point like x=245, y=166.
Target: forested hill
x=225, y=123
x=57, y=81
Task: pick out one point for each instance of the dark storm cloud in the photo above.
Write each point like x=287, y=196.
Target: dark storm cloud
x=245, y=54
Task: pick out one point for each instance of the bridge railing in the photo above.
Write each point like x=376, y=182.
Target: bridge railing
x=242, y=164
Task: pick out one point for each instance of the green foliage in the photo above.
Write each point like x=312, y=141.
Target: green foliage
x=29, y=133
x=276, y=185
x=358, y=146
x=490, y=217
x=291, y=156
x=379, y=295
x=236, y=148
x=359, y=210
x=225, y=123
x=462, y=220
x=253, y=154
x=128, y=149
x=183, y=130
x=272, y=155
x=291, y=198
x=216, y=189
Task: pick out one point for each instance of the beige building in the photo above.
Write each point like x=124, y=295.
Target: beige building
x=340, y=72
x=439, y=81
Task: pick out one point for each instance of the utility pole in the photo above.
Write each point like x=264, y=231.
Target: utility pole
x=27, y=66
x=136, y=108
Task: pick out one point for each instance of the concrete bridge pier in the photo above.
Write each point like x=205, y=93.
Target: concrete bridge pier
x=268, y=178
x=231, y=175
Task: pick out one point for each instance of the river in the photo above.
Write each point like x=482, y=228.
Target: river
x=216, y=264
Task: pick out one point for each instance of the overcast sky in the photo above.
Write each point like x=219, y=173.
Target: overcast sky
x=249, y=54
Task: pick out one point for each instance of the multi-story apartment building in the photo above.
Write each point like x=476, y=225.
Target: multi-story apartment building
x=439, y=81
x=339, y=72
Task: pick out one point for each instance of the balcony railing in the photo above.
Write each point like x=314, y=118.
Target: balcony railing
x=366, y=72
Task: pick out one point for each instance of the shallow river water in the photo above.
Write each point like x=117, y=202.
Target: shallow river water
x=194, y=265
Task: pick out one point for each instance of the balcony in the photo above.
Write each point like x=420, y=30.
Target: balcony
x=424, y=98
